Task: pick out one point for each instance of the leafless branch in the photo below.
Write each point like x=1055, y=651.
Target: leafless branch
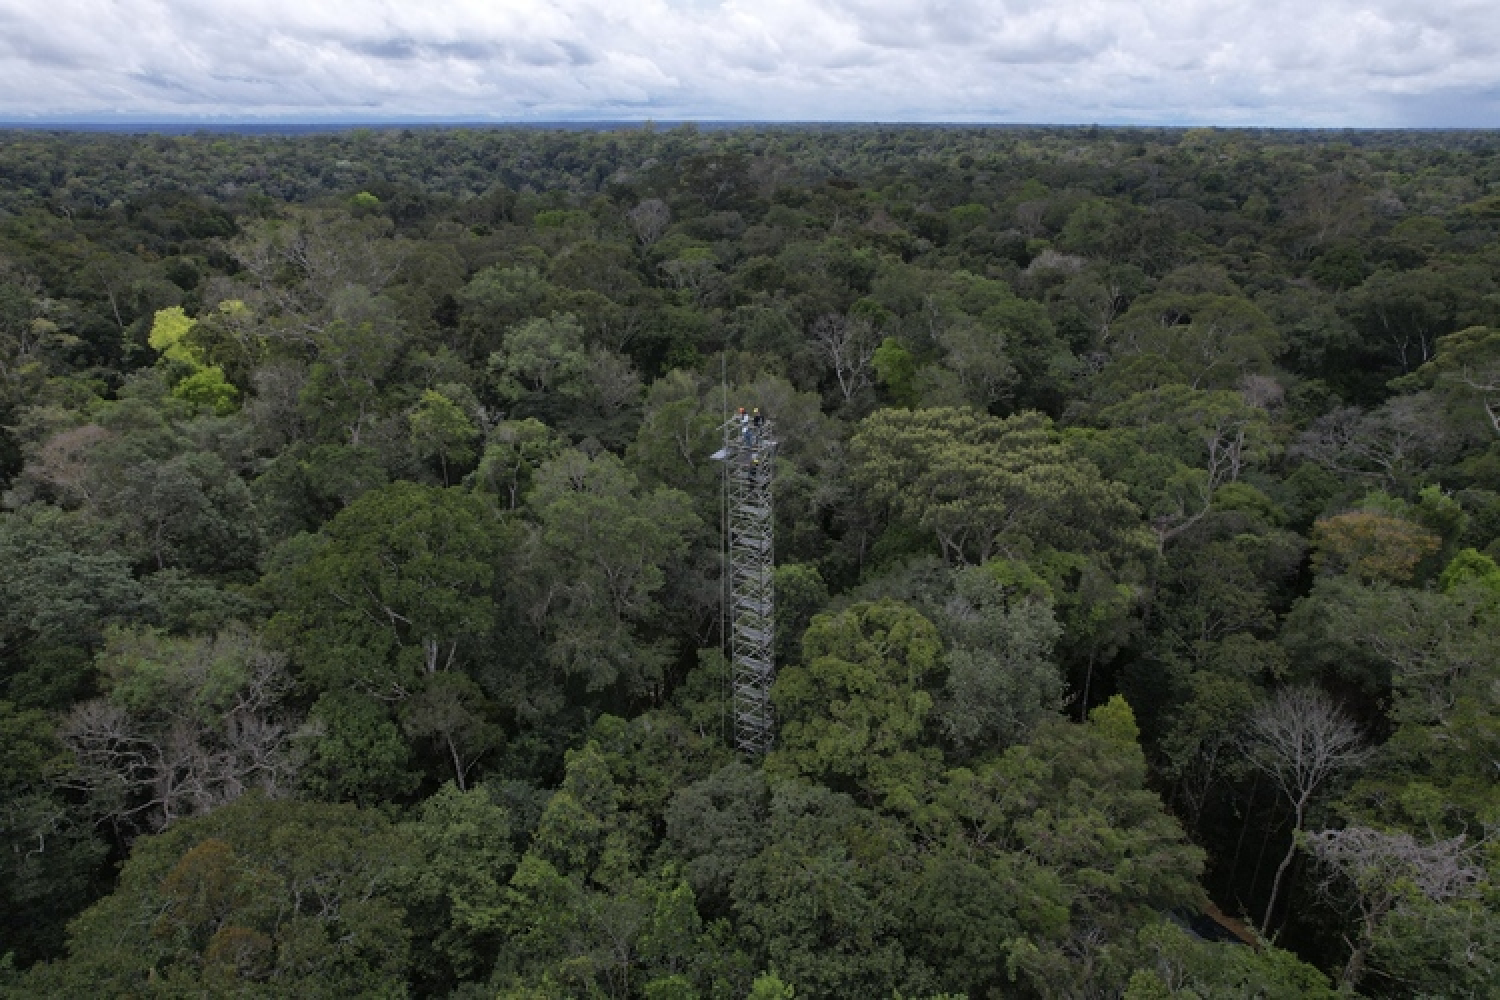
x=1387, y=871
x=848, y=346
x=1300, y=739
x=650, y=219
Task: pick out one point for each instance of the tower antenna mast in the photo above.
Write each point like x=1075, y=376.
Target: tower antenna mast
x=749, y=457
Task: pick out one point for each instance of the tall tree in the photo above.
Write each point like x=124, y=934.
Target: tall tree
x=1300, y=739
x=1001, y=679
x=985, y=486
x=391, y=590
x=854, y=713
x=595, y=563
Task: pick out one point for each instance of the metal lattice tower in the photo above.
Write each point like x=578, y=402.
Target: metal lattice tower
x=749, y=455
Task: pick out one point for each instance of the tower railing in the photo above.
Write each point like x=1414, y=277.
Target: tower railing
x=749, y=457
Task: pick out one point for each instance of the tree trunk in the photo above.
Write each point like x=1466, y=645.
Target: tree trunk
x=1281, y=869
x=1088, y=682
x=1355, y=969
x=458, y=766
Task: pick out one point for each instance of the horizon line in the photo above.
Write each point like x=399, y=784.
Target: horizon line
x=127, y=123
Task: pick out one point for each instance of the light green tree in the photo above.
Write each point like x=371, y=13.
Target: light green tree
x=513, y=452
x=208, y=390
x=1207, y=338
x=168, y=335
x=440, y=429
x=984, y=486
x=539, y=356
x=853, y=714
x=204, y=385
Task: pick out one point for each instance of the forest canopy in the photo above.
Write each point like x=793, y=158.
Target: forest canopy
x=1138, y=563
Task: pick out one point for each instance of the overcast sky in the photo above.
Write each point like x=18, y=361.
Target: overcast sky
x=1271, y=62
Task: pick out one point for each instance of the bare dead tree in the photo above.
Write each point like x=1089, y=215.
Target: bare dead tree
x=649, y=219
x=610, y=383
x=1327, y=207
x=275, y=408
x=62, y=464
x=768, y=173
x=1051, y=260
x=112, y=281
x=617, y=329
x=142, y=767
x=1099, y=297
x=848, y=345
x=1387, y=871
x=330, y=253
x=295, y=272
x=695, y=274
x=1029, y=217
x=1227, y=441
x=1262, y=392
x=1386, y=444
x=112, y=762
x=981, y=373
x=1299, y=739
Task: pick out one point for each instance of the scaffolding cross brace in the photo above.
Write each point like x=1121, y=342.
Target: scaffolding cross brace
x=749, y=455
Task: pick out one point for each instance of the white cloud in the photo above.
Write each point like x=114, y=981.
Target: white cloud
x=1334, y=62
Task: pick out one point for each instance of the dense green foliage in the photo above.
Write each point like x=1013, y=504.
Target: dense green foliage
x=1138, y=521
